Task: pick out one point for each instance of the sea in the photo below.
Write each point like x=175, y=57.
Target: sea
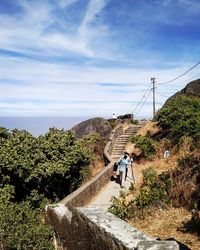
x=40, y=125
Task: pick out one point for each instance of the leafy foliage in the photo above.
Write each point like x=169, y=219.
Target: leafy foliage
x=23, y=227
x=35, y=171
x=51, y=163
x=135, y=122
x=180, y=117
x=145, y=144
x=94, y=144
x=154, y=190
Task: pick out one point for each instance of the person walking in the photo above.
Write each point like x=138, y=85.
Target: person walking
x=129, y=163
x=123, y=164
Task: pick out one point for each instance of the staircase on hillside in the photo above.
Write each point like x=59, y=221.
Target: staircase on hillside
x=122, y=140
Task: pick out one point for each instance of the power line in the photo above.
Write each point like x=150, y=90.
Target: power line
x=186, y=81
x=181, y=74
x=144, y=95
x=161, y=94
x=143, y=102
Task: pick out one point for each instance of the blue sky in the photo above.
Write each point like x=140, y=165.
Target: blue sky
x=94, y=57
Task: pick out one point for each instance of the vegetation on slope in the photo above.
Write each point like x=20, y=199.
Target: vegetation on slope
x=179, y=123
x=34, y=172
x=180, y=117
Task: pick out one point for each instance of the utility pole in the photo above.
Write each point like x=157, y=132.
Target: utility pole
x=153, y=89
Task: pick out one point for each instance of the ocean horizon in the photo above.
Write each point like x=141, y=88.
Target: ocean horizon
x=40, y=125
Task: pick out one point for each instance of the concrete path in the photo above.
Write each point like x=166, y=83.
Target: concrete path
x=103, y=199
x=113, y=188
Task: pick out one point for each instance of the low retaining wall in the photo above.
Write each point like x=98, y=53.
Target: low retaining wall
x=83, y=195
x=112, y=139
x=90, y=228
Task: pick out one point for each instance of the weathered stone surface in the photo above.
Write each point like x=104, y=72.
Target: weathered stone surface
x=158, y=245
x=94, y=125
x=115, y=228
x=91, y=228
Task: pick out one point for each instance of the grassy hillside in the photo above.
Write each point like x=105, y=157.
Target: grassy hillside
x=167, y=183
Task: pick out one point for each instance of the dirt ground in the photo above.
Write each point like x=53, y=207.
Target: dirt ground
x=170, y=224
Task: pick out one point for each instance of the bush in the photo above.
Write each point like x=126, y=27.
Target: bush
x=145, y=144
x=23, y=227
x=155, y=190
x=179, y=117
x=34, y=172
x=134, y=122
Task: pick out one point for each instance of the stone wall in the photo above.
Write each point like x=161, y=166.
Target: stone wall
x=83, y=195
x=90, y=228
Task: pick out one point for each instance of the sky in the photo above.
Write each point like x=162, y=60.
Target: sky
x=76, y=58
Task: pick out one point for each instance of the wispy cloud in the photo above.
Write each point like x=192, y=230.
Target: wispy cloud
x=92, y=56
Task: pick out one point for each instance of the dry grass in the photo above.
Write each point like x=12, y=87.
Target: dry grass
x=97, y=167
x=169, y=224
x=164, y=224
x=150, y=128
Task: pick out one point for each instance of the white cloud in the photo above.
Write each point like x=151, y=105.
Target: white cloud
x=28, y=34
x=75, y=89
x=38, y=88
x=66, y=3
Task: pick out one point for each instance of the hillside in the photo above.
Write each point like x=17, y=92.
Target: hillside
x=163, y=200
x=191, y=89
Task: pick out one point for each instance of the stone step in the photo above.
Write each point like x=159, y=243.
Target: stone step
x=122, y=138
x=121, y=141
x=120, y=147
x=117, y=155
x=118, y=152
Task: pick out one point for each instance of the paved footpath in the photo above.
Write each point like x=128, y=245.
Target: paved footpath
x=103, y=199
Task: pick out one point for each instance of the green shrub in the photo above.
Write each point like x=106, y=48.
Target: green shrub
x=23, y=227
x=155, y=190
x=35, y=171
x=134, y=122
x=121, y=208
x=112, y=123
x=145, y=144
x=179, y=117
